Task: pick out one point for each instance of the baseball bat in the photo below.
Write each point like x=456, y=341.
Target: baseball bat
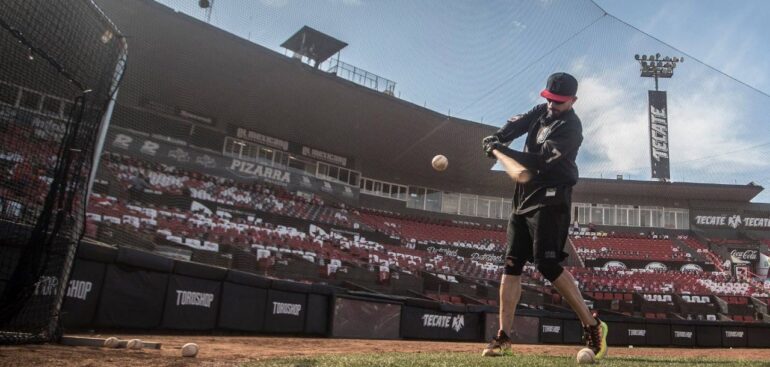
x=514, y=169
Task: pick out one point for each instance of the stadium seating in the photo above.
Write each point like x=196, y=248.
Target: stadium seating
x=622, y=248
x=252, y=244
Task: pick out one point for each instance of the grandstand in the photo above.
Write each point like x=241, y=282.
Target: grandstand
x=193, y=171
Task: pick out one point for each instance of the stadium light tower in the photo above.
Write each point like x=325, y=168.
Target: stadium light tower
x=208, y=5
x=655, y=66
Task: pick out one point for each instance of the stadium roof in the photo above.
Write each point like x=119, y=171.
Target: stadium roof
x=676, y=190
x=390, y=139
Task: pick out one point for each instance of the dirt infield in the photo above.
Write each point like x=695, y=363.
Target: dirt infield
x=229, y=351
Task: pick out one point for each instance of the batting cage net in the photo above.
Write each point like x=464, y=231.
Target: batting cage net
x=61, y=62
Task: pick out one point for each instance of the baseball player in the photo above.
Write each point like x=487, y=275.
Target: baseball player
x=540, y=216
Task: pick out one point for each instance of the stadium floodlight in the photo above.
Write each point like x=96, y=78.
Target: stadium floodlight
x=655, y=66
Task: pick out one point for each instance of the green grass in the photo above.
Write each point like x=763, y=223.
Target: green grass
x=475, y=360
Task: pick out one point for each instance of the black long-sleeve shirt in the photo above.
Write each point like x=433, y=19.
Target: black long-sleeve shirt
x=550, y=151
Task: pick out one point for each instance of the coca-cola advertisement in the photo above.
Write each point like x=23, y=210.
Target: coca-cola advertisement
x=744, y=256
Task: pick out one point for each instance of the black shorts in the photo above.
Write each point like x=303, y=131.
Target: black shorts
x=538, y=235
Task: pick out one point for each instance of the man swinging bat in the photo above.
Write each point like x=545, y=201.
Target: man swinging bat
x=544, y=172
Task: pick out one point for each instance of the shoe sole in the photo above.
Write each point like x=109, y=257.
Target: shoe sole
x=492, y=353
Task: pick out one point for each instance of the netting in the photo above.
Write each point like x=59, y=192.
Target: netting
x=60, y=68
x=230, y=149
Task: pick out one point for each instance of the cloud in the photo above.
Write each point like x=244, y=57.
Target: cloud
x=707, y=130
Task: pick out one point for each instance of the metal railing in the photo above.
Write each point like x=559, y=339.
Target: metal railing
x=361, y=77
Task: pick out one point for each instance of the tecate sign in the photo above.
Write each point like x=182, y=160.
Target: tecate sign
x=456, y=322
x=733, y=221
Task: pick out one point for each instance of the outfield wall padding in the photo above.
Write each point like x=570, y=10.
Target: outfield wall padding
x=551, y=331
x=133, y=289
x=242, y=307
x=191, y=303
x=132, y=298
x=285, y=311
x=83, y=291
x=365, y=319
x=421, y=323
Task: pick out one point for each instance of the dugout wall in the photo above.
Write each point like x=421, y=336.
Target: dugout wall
x=136, y=290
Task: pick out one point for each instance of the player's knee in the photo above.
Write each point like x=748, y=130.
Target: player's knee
x=513, y=267
x=550, y=269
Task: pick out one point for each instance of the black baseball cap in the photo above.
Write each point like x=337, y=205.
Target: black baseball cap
x=561, y=87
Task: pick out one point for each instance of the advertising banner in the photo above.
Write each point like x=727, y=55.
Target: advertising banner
x=751, y=221
x=551, y=331
x=132, y=144
x=683, y=335
x=659, y=153
x=83, y=291
x=421, y=323
x=744, y=256
x=285, y=311
x=468, y=253
x=734, y=336
x=191, y=303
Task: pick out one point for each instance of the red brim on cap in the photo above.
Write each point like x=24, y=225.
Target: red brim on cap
x=548, y=95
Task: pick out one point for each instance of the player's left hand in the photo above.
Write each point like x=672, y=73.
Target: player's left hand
x=489, y=140
x=488, y=148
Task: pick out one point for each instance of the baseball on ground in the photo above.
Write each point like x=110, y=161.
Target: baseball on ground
x=111, y=342
x=190, y=350
x=135, y=344
x=585, y=356
x=439, y=162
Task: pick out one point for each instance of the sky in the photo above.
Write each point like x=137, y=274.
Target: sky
x=487, y=61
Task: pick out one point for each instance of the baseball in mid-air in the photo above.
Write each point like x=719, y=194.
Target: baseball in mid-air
x=439, y=162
